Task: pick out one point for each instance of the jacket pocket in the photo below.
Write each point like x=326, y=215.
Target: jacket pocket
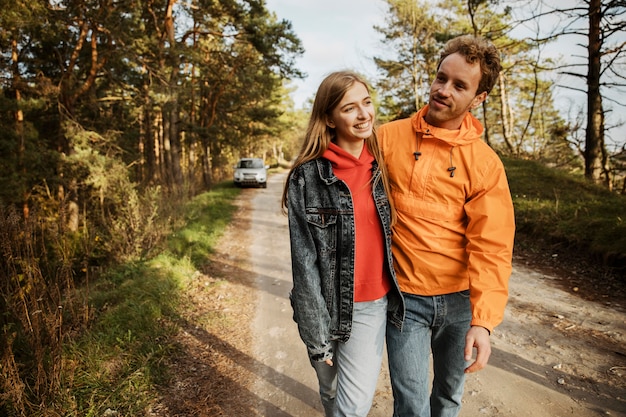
x=429, y=210
x=320, y=217
x=323, y=225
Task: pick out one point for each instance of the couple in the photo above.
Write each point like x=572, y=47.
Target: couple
x=437, y=283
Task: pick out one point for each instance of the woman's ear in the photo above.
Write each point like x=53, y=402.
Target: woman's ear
x=330, y=123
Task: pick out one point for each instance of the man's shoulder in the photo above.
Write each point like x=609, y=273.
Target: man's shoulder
x=484, y=148
x=480, y=150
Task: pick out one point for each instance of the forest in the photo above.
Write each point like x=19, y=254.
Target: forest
x=114, y=113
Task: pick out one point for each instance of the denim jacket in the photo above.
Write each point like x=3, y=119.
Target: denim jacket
x=322, y=232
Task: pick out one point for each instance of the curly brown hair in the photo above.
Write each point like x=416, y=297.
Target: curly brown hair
x=476, y=49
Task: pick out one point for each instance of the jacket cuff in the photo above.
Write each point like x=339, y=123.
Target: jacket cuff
x=322, y=356
x=482, y=323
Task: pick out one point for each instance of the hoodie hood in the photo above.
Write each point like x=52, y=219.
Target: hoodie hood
x=470, y=131
x=342, y=160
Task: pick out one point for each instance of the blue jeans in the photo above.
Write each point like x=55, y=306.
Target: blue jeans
x=347, y=388
x=436, y=324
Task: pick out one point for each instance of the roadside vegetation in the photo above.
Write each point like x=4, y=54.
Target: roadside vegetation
x=121, y=122
x=561, y=212
x=97, y=347
x=104, y=352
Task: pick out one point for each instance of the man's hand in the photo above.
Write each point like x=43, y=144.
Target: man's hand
x=477, y=337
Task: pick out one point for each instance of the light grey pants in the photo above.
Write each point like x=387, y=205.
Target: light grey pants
x=347, y=388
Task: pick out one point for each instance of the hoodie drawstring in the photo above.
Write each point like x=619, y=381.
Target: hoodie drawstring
x=417, y=153
x=451, y=168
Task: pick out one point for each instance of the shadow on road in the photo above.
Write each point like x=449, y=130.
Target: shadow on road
x=582, y=390
x=220, y=393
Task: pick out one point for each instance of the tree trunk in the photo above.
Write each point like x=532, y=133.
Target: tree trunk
x=594, y=135
x=171, y=118
x=166, y=148
x=19, y=125
x=175, y=143
x=207, y=177
x=505, y=115
x=71, y=91
x=149, y=144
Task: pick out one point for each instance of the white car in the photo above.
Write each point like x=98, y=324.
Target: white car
x=251, y=172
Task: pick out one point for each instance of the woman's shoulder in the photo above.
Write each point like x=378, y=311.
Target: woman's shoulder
x=309, y=168
x=309, y=165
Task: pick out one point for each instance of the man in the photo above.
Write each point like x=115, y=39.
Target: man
x=453, y=240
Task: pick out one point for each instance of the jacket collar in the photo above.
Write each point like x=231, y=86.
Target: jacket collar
x=325, y=170
x=470, y=131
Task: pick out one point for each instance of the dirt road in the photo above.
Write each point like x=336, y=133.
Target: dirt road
x=554, y=355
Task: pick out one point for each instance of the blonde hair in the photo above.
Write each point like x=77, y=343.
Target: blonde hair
x=319, y=135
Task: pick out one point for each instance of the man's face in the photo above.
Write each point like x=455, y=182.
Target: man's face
x=453, y=92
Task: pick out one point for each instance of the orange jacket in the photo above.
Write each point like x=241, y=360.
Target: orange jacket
x=456, y=226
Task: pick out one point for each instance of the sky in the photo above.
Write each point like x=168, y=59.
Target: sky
x=336, y=35
x=340, y=34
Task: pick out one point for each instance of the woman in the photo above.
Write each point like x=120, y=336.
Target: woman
x=344, y=287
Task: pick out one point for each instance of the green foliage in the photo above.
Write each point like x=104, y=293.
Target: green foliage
x=519, y=115
x=26, y=161
x=411, y=32
x=560, y=206
x=205, y=218
x=136, y=226
x=117, y=363
x=123, y=220
x=116, y=329
x=201, y=84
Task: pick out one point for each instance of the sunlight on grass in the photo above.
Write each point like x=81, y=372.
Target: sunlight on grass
x=117, y=364
x=558, y=205
x=205, y=219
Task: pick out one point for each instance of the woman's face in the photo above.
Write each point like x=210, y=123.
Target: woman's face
x=353, y=118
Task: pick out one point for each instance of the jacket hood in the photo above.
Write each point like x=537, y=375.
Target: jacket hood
x=470, y=131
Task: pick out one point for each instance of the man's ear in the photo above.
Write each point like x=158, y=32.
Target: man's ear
x=478, y=100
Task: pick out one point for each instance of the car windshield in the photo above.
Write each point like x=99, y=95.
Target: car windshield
x=252, y=163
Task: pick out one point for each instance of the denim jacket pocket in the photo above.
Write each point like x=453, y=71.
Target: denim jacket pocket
x=323, y=224
x=321, y=218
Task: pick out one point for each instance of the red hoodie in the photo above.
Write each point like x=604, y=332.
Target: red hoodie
x=371, y=281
